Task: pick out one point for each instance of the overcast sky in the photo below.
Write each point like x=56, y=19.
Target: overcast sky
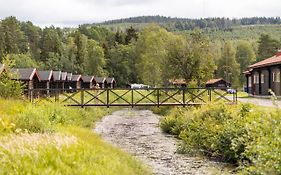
x=74, y=12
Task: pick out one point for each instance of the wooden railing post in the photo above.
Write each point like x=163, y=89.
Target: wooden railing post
x=107, y=97
x=158, y=97
x=82, y=98
x=132, y=95
x=183, y=97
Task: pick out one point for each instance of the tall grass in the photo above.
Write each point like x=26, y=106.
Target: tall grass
x=52, y=139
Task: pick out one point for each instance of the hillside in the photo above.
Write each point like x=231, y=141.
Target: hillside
x=180, y=24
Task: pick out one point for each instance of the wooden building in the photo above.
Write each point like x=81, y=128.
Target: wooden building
x=46, y=78
x=63, y=80
x=101, y=81
x=178, y=82
x=111, y=83
x=29, y=77
x=88, y=82
x=76, y=82
x=264, y=75
x=56, y=84
x=218, y=82
x=67, y=83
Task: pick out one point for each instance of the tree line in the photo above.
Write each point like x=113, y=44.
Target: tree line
x=152, y=55
x=180, y=24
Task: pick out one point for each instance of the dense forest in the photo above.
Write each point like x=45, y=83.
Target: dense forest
x=180, y=24
x=152, y=54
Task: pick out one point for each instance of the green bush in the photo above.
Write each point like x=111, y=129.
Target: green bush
x=242, y=134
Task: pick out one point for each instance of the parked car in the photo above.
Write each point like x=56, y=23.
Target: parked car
x=139, y=86
x=231, y=91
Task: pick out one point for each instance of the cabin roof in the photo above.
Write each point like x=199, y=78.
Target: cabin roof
x=69, y=76
x=76, y=77
x=110, y=80
x=88, y=79
x=276, y=59
x=178, y=81
x=57, y=75
x=64, y=76
x=100, y=79
x=25, y=73
x=45, y=75
x=213, y=81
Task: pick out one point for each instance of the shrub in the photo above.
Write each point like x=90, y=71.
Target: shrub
x=242, y=134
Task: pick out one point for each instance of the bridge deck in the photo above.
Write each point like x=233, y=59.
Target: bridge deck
x=133, y=97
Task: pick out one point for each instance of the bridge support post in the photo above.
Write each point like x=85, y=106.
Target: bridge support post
x=183, y=97
x=107, y=97
x=132, y=94
x=158, y=98
x=82, y=98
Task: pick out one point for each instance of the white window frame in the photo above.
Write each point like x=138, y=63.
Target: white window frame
x=262, y=78
x=256, y=79
x=276, y=77
x=250, y=81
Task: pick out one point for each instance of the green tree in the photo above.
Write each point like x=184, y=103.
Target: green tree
x=13, y=39
x=22, y=60
x=228, y=68
x=95, y=62
x=9, y=88
x=131, y=35
x=245, y=56
x=33, y=34
x=190, y=58
x=80, y=41
x=121, y=64
x=151, y=52
x=50, y=42
x=267, y=47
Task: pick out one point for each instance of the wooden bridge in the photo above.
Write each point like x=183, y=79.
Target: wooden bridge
x=133, y=97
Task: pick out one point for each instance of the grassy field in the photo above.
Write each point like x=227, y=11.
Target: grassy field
x=49, y=138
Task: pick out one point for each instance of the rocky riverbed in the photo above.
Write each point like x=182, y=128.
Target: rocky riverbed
x=137, y=132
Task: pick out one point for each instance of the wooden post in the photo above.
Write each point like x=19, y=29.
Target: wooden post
x=132, y=94
x=183, y=97
x=107, y=97
x=82, y=98
x=158, y=97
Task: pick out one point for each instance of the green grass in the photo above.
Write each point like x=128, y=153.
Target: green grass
x=49, y=138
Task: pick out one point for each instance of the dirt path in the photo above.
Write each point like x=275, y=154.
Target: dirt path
x=137, y=132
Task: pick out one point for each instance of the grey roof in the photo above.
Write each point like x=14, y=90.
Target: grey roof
x=57, y=75
x=76, y=77
x=69, y=76
x=88, y=79
x=25, y=74
x=63, y=76
x=110, y=80
x=100, y=79
x=2, y=67
x=45, y=75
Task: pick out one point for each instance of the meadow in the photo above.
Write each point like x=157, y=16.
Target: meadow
x=49, y=138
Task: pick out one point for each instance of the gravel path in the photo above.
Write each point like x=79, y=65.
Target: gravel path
x=137, y=132
x=260, y=102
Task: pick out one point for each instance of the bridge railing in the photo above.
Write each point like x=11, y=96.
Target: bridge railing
x=132, y=97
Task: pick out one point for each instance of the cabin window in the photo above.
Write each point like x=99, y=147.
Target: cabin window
x=262, y=78
x=250, y=82
x=256, y=79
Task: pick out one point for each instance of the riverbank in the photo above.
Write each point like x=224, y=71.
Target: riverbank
x=138, y=133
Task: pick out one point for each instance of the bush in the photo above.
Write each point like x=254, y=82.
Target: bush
x=241, y=134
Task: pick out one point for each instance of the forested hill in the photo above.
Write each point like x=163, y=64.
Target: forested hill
x=180, y=24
